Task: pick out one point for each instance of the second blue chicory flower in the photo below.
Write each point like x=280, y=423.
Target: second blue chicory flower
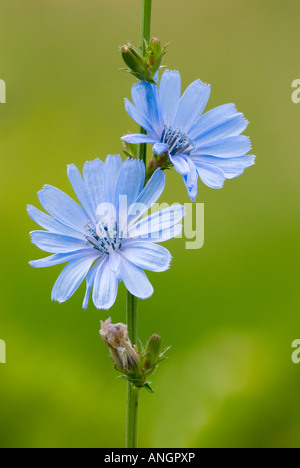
x=209, y=146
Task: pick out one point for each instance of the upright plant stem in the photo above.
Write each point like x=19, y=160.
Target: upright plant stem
x=145, y=37
x=132, y=309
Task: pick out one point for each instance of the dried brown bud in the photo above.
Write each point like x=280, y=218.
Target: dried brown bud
x=115, y=336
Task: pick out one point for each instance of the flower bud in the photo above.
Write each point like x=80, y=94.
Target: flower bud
x=115, y=336
x=144, y=68
x=136, y=364
x=152, y=352
x=155, y=45
x=155, y=53
x=133, y=59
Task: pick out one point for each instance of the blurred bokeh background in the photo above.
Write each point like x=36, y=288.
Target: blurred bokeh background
x=230, y=310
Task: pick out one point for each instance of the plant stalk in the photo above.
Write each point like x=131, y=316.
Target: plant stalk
x=145, y=38
x=132, y=307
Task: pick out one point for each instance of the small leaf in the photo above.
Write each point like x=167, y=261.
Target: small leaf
x=165, y=351
x=148, y=387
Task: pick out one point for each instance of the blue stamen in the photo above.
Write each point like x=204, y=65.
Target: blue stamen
x=105, y=237
x=178, y=141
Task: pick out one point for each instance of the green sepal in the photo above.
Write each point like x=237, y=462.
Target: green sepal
x=130, y=149
x=148, y=387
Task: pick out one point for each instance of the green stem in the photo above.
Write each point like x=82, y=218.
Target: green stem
x=145, y=38
x=132, y=392
x=145, y=24
x=132, y=416
x=132, y=309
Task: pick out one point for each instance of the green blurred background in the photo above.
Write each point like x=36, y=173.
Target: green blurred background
x=230, y=310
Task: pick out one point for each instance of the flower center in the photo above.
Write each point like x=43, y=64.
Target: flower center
x=106, y=237
x=178, y=141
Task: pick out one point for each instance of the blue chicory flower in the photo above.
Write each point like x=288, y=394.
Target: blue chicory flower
x=105, y=240
x=207, y=145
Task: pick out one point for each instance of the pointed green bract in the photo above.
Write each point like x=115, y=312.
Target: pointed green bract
x=142, y=66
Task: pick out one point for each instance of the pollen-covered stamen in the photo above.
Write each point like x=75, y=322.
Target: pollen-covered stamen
x=178, y=141
x=105, y=237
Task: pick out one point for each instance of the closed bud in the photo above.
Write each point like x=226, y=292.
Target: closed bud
x=152, y=352
x=115, y=336
x=155, y=53
x=134, y=60
x=144, y=68
x=155, y=47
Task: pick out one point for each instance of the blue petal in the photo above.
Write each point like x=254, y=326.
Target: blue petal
x=51, y=224
x=170, y=89
x=159, y=236
x=62, y=207
x=211, y=119
x=81, y=191
x=59, y=258
x=230, y=127
x=94, y=176
x=113, y=166
x=114, y=263
x=149, y=195
x=180, y=163
x=191, y=180
x=191, y=106
x=140, y=99
x=232, y=167
x=137, y=138
x=211, y=176
x=160, y=148
x=147, y=99
x=140, y=118
x=130, y=182
x=135, y=279
x=157, y=222
x=148, y=256
x=71, y=278
x=90, y=282
x=105, y=286
x=55, y=243
x=156, y=111
x=226, y=148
